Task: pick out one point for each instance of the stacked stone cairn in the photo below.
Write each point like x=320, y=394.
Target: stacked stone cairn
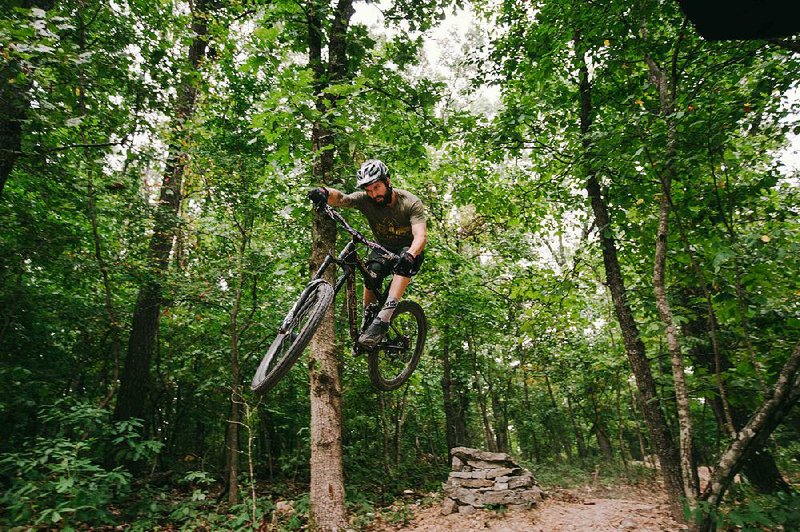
x=481, y=479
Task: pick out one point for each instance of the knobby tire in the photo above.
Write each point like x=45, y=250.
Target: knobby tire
x=289, y=345
x=390, y=368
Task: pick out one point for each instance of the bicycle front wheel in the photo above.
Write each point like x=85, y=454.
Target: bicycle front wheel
x=395, y=358
x=293, y=339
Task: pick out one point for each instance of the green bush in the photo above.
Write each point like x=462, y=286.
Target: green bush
x=750, y=511
x=195, y=506
x=60, y=480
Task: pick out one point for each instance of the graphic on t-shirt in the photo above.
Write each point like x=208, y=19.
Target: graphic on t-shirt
x=389, y=228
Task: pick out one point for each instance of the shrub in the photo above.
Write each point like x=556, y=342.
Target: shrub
x=60, y=481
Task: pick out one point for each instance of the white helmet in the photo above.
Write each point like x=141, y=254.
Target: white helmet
x=371, y=171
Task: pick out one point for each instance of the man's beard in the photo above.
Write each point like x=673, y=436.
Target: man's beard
x=387, y=198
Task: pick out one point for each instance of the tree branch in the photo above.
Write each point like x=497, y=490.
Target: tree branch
x=87, y=145
x=782, y=398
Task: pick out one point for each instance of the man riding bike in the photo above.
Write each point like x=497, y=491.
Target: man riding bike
x=397, y=219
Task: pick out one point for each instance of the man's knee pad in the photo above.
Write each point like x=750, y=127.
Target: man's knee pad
x=374, y=277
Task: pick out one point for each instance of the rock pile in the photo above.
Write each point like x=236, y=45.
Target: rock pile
x=480, y=479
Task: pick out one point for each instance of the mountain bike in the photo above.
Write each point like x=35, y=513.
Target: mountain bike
x=390, y=363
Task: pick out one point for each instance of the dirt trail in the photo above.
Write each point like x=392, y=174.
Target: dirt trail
x=640, y=510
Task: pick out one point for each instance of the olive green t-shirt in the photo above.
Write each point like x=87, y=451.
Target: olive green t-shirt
x=391, y=225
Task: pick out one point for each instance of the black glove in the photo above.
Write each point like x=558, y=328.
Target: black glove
x=405, y=264
x=319, y=196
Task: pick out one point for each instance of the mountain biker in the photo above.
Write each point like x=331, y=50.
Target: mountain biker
x=397, y=219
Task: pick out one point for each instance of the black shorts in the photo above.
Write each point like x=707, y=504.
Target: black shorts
x=381, y=267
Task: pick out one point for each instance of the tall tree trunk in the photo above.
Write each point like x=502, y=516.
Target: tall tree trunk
x=455, y=406
x=236, y=399
x=639, y=436
x=327, y=507
x=234, y=421
x=688, y=466
x=654, y=418
x=537, y=454
x=488, y=435
x=576, y=429
x=448, y=392
x=599, y=430
x=399, y=422
x=620, y=425
x=556, y=427
x=134, y=390
x=500, y=422
x=667, y=89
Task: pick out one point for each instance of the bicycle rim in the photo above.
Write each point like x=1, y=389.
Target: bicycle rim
x=290, y=344
x=393, y=361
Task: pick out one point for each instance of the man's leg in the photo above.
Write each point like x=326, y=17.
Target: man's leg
x=376, y=270
x=369, y=297
x=398, y=286
x=377, y=329
x=396, y=291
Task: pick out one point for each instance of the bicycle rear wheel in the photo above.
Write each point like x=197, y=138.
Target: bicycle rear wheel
x=393, y=360
x=292, y=340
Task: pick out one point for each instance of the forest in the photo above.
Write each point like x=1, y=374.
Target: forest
x=611, y=280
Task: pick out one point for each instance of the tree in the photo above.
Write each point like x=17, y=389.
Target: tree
x=134, y=390
x=613, y=60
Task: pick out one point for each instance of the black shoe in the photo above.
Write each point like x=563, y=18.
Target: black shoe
x=374, y=333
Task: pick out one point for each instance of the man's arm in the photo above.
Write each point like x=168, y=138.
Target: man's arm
x=331, y=196
x=336, y=198
x=420, y=233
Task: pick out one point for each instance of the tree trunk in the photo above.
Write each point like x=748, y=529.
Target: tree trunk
x=559, y=440
x=488, y=435
x=688, y=467
x=450, y=413
x=579, y=439
x=134, y=390
x=236, y=399
x=500, y=422
x=620, y=425
x=235, y=420
x=537, y=454
x=634, y=347
x=327, y=508
x=667, y=87
x=399, y=423
x=603, y=442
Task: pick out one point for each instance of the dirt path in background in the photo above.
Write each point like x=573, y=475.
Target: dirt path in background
x=589, y=509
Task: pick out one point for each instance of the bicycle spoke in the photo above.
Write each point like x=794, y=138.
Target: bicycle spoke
x=292, y=340
x=396, y=357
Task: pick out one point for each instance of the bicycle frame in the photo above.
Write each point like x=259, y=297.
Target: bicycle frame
x=349, y=261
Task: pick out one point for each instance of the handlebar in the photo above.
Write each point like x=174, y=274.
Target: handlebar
x=358, y=237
